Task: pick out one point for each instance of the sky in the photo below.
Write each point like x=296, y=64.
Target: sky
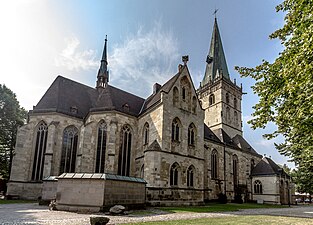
x=41, y=39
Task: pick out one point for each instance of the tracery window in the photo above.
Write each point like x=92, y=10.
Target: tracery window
x=258, y=187
x=146, y=134
x=125, y=151
x=69, y=150
x=214, y=164
x=101, y=147
x=175, y=129
x=40, y=150
x=191, y=134
x=190, y=176
x=174, y=174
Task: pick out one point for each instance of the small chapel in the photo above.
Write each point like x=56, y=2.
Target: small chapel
x=181, y=145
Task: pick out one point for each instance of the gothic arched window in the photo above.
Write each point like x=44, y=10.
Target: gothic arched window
x=235, y=170
x=227, y=114
x=175, y=129
x=146, y=134
x=69, y=149
x=194, y=104
x=183, y=93
x=235, y=103
x=175, y=96
x=125, y=151
x=40, y=150
x=258, y=187
x=236, y=118
x=191, y=134
x=101, y=147
x=190, y=176
x=227, y=98
x=211, y=99
x=174, y=174
x=214, y=164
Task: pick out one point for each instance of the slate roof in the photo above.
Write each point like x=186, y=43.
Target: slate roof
x=223, y=136
x=243, y=144
x=238, y=142
x=209, y=135
x=112, y=98
x=155, y=98
x=267, y=167
x=64, y=94
x=216, y=61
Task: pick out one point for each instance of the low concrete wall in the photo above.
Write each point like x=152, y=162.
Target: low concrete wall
x=97, y=192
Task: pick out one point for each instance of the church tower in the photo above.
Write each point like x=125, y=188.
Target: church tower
x=220, y=97
x=103, y=73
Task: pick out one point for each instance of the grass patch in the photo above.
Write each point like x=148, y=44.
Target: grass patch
x=217, y=207
x=4, y=201
x=235, y=220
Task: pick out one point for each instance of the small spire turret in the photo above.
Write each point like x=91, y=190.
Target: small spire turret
x=103, y=73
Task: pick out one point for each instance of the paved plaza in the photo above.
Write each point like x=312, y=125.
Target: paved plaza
x=32, y=213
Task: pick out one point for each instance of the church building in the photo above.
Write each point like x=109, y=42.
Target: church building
x=186, y=143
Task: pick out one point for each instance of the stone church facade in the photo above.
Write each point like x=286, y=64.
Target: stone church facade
x=186, y=143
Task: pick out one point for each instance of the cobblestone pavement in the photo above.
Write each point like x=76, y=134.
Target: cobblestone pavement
x=35, y=214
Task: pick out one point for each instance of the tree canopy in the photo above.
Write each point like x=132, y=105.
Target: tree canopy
x=285, y=87
x=11, y=117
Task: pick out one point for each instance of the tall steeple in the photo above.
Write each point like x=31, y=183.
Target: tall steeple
x=220, y=97
x=103, y=73
x=216, y=62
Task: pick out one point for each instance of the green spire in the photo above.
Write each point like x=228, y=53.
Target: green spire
x=216, y=62
x=103, y=73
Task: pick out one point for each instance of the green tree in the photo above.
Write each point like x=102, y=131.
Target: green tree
x=303, y=180
x=285, y=87
x=12, y=116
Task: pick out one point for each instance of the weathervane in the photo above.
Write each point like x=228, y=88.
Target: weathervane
x=215, y=12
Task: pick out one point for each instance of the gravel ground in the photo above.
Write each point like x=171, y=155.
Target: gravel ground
x=35, y=214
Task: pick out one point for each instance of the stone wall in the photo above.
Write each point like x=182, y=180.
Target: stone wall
x=216, y=114
x=24, y=190
x=49, y=189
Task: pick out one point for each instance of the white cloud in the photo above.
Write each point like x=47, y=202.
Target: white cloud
x=143, y=59
x=73, y=59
